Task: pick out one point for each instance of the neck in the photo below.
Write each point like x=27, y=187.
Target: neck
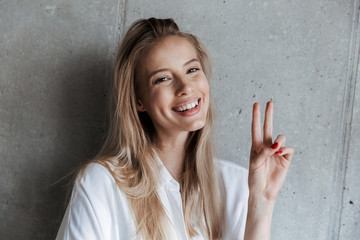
x=172, y=153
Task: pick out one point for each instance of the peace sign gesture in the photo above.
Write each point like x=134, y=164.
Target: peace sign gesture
x=269, y=162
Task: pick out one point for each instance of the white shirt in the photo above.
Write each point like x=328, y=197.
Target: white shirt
x=99, y=210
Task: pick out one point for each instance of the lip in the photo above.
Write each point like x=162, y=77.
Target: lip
x=193, y=111
x=186, y=102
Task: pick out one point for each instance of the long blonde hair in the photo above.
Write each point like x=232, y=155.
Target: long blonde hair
x=128, y=150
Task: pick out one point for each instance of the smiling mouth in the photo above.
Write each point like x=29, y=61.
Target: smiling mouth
x=187, y=107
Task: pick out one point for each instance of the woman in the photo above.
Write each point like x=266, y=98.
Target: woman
x=155, y=176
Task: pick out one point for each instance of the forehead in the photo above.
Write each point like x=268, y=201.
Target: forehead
x=168, y=52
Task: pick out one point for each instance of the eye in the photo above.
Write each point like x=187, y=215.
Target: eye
x=159, y=80
x=192, y=70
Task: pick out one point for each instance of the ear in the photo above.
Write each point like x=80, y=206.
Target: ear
x=140, y=106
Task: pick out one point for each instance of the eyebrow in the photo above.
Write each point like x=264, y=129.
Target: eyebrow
x=166, y=69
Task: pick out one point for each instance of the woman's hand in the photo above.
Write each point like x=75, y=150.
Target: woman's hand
x=269, y=161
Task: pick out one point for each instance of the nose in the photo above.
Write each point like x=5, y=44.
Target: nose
x=183, y=86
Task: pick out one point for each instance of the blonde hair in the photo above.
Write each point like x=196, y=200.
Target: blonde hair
x=128, y=151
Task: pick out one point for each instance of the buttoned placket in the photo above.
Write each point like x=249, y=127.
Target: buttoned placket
x=172, y=201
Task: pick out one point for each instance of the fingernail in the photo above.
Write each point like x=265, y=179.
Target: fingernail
x=275, y=145
x=278, y=152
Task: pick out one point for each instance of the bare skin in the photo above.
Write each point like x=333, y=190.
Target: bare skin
x=179, y=78
x=172, y=155
x=267, y=171
x=269, y=163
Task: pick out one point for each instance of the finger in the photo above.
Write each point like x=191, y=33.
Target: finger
x=256, y=125
x=286, y=152
x=279, y=142
x=268, y=123
x=263, y=155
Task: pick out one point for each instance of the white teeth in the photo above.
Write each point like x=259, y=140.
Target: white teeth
x=187, y=106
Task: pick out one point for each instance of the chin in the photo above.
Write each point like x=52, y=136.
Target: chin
x=197, y=126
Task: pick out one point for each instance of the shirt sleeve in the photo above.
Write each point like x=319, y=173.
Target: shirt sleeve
x=235, y=190
x=88, y=212
x=242, y=201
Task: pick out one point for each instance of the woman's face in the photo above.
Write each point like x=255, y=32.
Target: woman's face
x=172, y=86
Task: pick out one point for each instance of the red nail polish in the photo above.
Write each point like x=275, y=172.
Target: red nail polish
x=278, y=152
x=275, y=145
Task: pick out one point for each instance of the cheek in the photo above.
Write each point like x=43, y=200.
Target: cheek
x=204, y=87
x=158, y=99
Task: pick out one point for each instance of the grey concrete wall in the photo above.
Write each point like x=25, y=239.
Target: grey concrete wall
x=56, y=60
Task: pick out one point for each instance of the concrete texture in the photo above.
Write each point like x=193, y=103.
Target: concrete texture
x=56, y=57
x=56, y=60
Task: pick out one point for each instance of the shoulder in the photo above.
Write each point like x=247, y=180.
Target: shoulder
x=95, y=181
x=95, y=171
x=228, y=164
x=94, y=207
x=233, y=178
x=231, y=169
x=95, y=175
